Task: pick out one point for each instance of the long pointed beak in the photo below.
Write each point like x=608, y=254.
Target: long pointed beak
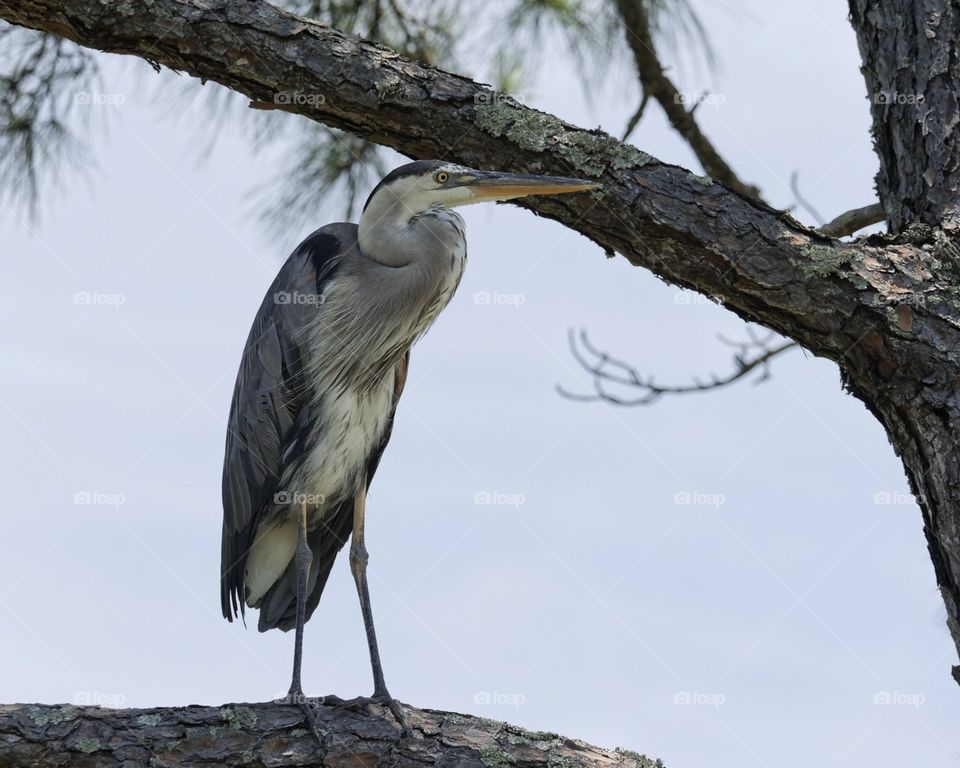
x=490, y=185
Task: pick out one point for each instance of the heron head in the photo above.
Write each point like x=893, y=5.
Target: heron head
x=416, y=187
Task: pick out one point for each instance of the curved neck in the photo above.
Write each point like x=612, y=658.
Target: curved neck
x=384, y=231
x=405, y=271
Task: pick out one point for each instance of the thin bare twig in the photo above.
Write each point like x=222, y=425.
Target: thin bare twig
x=802, y=201
x=632, y=123
x=753, y=354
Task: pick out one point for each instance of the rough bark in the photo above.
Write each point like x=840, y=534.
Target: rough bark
x=909, y=53
x=887, y=310
x=261, y=735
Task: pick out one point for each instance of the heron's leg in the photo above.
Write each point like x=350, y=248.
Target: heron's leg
x=303, y=558
x=358, y=565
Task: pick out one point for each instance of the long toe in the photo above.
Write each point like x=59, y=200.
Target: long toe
x=396, y=708
x=358, y=704
x=304, y=704
x=370, y=705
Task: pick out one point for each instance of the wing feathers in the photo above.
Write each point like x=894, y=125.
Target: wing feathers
x=267, y=401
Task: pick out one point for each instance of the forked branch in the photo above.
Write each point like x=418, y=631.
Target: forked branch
x=753, y=354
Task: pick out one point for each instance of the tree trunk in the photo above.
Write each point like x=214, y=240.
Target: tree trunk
x=886, y=309
x=261, y=735
x=908, y=379
x=910, y=64
x=909, y=52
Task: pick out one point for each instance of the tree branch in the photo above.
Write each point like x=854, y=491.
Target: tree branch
x=605, y=369
x=855, y=220
x=259, y=735
x=656, y=84
x=689, y=230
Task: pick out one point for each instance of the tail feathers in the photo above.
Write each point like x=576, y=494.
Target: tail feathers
x=269, y=557
x=278, y=607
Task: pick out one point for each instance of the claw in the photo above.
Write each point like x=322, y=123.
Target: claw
x=303, y=704
x=363, y=704
x=401, y=717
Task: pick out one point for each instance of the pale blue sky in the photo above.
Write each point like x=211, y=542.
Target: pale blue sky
x=796, y=623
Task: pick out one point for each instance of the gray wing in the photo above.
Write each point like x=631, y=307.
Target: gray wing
x=269, y=399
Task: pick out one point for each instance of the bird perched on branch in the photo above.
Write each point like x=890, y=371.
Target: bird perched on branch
x=321, y=373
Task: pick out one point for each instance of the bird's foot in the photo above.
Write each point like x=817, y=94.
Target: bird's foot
x=364, y=704
x=397, y=709
x=305, y=704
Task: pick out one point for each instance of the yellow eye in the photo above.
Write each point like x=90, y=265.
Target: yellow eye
x=441, y=177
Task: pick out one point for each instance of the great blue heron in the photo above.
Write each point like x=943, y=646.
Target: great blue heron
x=319, y=381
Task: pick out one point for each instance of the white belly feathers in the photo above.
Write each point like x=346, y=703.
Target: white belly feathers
x=353, y=425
